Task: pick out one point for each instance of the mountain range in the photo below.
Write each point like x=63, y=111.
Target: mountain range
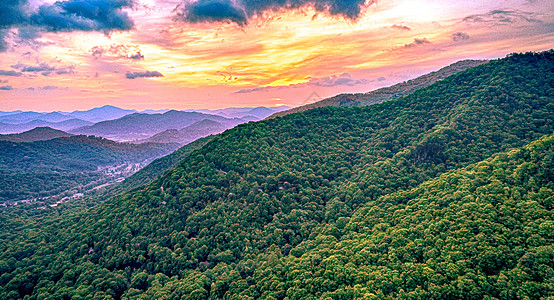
x=142, y=126
x=387, y=93
x=444, y=193
x=188, y=134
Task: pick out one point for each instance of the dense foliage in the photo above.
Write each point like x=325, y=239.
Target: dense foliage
x=52, y=167
x=321, y=204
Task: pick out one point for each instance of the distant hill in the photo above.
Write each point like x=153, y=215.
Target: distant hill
x=387, y=93
x=138, y=126
x=253, y=114
x=36, y=134
x=21, y=117
x=188, y=134
x=6, y=128
x=56, y=117
x=99, y=114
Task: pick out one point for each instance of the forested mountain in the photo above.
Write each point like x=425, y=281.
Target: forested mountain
x=188, y=134
x=140, y=126
x=387, y=93
x=36, y=134
x=330, y=203
x=47, y=168
x=162, y=164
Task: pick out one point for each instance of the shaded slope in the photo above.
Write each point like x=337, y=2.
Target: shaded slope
x=269, y=186
x=162, y=164
x=36, y=134
x=387, y=93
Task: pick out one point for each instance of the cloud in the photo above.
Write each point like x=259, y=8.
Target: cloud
x=136, y=56
x=460, y=36
x=417, y=42
x=143, y=74
x=345, y=79
x=44, y=69
x=502, y=17
x=84, y=15
x=12, y=12
x=239, y=11
x=6, y=88
x=44, y=88
x=10, y=73
x=401, y=27
x=61, y=16
x=132, y=52
x=213, y=11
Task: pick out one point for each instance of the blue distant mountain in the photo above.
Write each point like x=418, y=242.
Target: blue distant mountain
x=99, y=114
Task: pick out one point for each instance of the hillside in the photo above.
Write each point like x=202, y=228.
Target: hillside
x=485, y=230
x=162, y=164
x=36, y=134
x=225, y=221
x=387, y=93
x=188, y=134
x=47, y=168
x=138, y=126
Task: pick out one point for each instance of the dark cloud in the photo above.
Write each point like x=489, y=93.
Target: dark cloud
x=44, y=69
x=123, y=51
x=12, y=12
x=502, y=17
x=10, y=73
x=84, y=15
x=61, y=16
x=143, y=74
x=417, y=42
x=213, y=11
x=460, y=36
x=136, y=56
x=6, y=88
x=381, y=79
x=3, y=43
x=239, y=11
x=401, y=27
x=343, y=80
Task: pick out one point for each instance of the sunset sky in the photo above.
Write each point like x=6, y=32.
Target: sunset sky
x=151, y=54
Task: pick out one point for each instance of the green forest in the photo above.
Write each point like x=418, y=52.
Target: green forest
x=446, y=193
x=46, y=168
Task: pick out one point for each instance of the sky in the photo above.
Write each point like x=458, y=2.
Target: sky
x=190, y=54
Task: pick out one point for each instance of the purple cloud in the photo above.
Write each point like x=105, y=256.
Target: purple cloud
x=143, y=74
